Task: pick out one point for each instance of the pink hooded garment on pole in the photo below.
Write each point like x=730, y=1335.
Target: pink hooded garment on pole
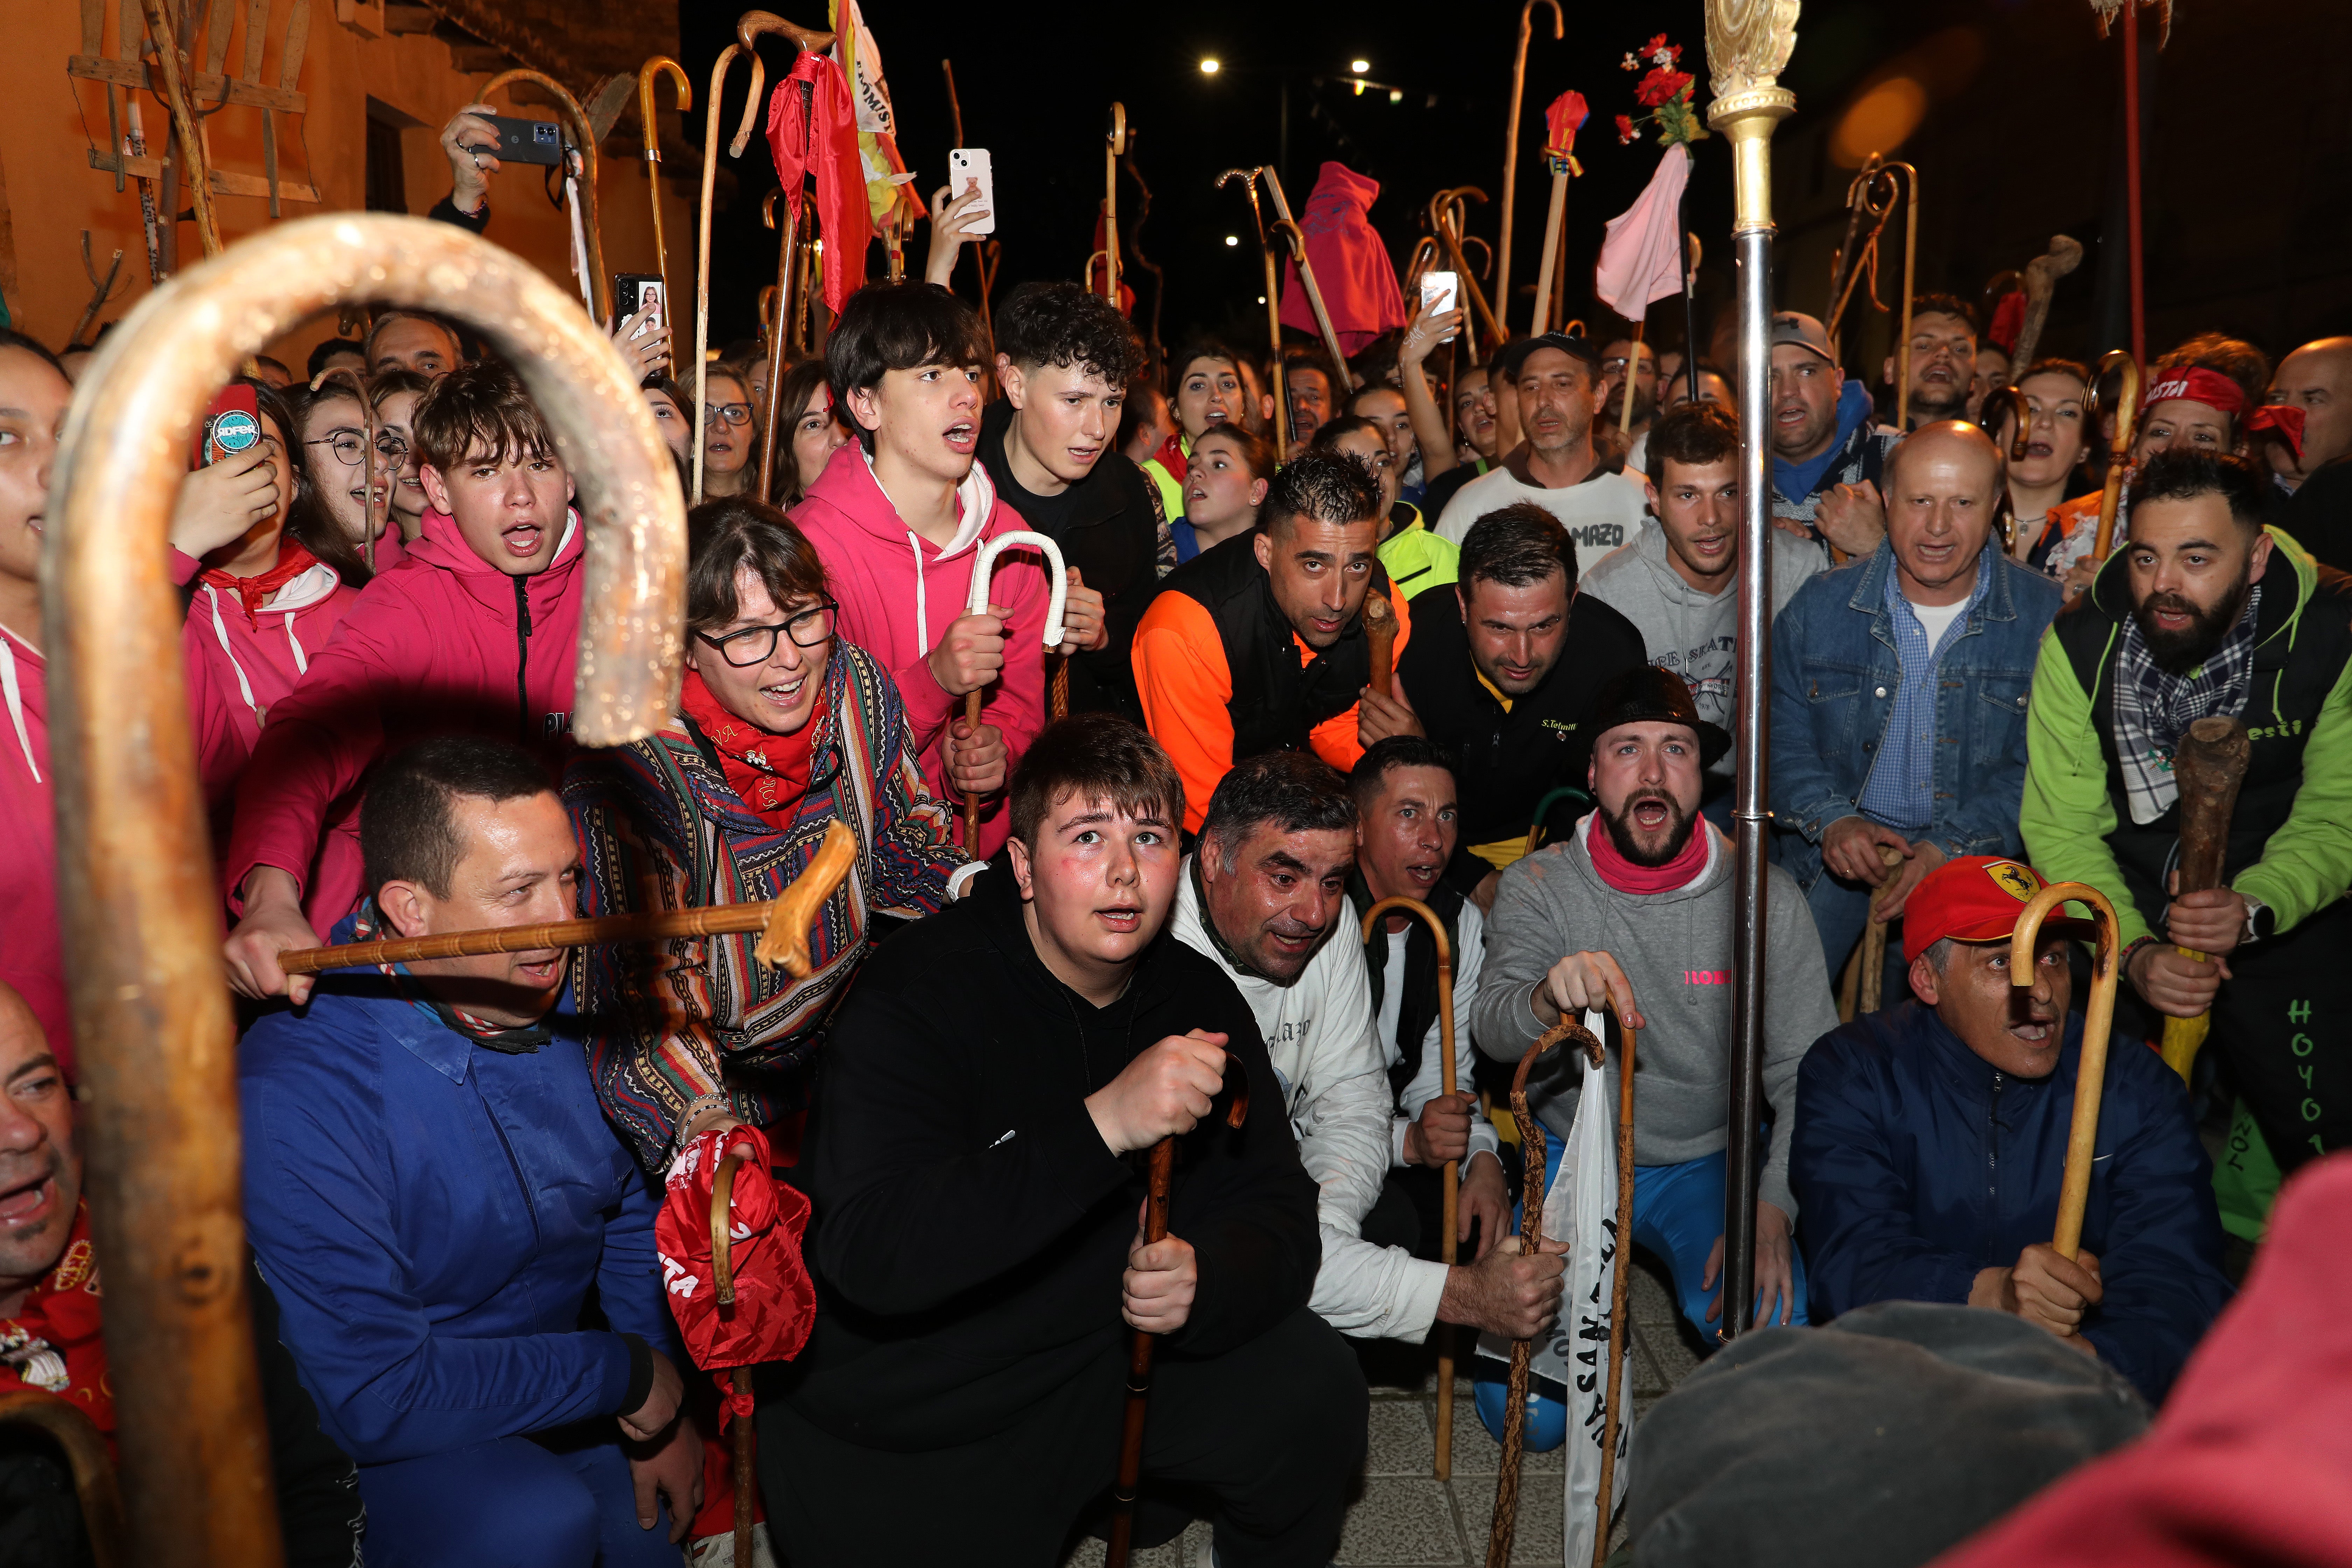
x=1641, y=256
x=1351, y=266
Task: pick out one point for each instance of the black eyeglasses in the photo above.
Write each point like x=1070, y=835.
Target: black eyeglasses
x=347, y=446
x=812, y=627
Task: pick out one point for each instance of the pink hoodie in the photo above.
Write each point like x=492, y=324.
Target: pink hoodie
x=444, y=641
x=898, y=592
x=237, y=670
x=32, y=947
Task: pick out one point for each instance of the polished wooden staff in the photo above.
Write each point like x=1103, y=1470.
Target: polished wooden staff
x=782, y=924
x=2098, y=1021
x=2127, y=411
x=2210, y=765
x=649, y=76
x=1142, y=1341
x=1511, y=159
x=726, y=57
x=1249, y=178
x=771, y=322
x=1380, y=634
x=1345, y=379
x=1865, y=976
x=2039, y=281
x=1452, y=1176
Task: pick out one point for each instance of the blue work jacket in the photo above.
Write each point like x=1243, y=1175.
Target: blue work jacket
x=1916, y=1164
x=434, y=1217
x=1836, y=672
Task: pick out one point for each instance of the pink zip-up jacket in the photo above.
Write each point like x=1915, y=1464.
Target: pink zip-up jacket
x=32, y=947
x=239, y=669
x=898, y=593
x=445, y=641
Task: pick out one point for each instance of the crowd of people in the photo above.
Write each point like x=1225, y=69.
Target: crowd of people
x=1097, y=880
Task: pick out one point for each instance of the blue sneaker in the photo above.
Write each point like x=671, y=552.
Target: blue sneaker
x=1547, y=1421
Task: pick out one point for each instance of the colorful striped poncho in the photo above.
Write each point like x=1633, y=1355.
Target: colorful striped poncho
x=660, y=829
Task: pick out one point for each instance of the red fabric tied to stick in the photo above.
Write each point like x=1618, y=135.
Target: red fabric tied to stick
x=1350, y=260
x=775, y=1303
x=822, y=140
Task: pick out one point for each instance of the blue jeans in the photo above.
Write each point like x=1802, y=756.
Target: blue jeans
x=512, y=1503
x=1678, y=1215
x=1841, y=914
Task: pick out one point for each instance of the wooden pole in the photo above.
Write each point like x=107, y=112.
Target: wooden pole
x=787, y=244
x=1511, y=153
x=722, y=1280
x=648, y=75
x=1288, y=225
x=2098, y=1019
x=65, y=1424
x=1633, y=368
x=1249, y=179
x=2210, y=765
x=1910, y=264
x=1379, y=633
x=2131, y=179
x=1872, y=984
x=1553, y=222
x=138, y=889
x=170, y=59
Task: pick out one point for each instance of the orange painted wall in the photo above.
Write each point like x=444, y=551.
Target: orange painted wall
x=49, y=121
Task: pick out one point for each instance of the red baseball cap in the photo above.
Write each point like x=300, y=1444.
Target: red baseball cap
x=1978, y=898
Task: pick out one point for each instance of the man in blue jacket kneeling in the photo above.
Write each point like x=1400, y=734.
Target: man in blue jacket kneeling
x=1931, y=1139
x=435, y=1196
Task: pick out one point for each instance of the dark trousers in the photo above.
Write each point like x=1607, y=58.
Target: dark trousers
x=1266, y=1437
x=2283, y=1024
x=513, y=1503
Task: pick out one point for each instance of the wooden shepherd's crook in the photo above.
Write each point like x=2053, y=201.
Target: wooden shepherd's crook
x=983, y=569
x=1142, y=1341
x=1453, y=1179
x=1511, y=156
x=1290, y=231
x=1114, y=148
x=1249, y=178
x=2098, y=1018
x=782, y=924
x=1531, y=1225
x=650, y=74
x=710, y=102
x=170, y=59
x=2210, y=765
x=2111, y=496
x=157, y=1040
x=772, y=323
x=600, y=285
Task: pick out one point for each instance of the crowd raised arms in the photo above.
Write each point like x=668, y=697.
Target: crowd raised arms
x=1241, y=761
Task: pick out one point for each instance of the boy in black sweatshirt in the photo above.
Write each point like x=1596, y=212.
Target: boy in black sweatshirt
x=975, y=1162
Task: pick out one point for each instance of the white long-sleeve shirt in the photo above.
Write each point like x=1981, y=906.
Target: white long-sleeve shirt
x=1469, y=955
x=1319, y=1033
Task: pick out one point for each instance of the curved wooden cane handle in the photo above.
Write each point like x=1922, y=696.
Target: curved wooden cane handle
x=751, y=24
x=722, y=1197
x=787, y=938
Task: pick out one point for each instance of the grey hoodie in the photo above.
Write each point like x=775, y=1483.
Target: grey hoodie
x=1692, y=634
x=1676, y=949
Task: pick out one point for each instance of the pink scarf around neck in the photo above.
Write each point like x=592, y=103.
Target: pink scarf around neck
x=1627, y=878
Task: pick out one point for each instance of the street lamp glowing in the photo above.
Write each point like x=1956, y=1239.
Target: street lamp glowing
x=1232, y=239
x=1360, y=67
x=1211, y=65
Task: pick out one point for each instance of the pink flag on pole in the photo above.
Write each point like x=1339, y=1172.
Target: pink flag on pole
x=1641, y=256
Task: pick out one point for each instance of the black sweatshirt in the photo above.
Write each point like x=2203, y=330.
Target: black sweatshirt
x=971, y=1226
x=1506, y=763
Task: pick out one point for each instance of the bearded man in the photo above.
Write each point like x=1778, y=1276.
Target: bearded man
x=2207, y=612
x=1634, y=910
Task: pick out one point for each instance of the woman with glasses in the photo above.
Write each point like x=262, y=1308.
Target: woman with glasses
x=395, y=394
x=334, y=446
x=781, y=730
x=730, y=435
x=265, y=603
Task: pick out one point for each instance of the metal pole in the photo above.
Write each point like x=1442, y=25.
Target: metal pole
x=1747, y=52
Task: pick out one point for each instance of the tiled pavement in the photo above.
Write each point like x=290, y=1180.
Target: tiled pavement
x=1405, y=1517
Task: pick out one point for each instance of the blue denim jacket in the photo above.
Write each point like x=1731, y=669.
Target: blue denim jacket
x=1834, y=675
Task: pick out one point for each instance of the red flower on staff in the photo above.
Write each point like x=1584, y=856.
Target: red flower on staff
x=1661, y=86
x=1624, y=127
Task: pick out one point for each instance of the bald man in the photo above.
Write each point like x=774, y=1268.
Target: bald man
x=1899, y=685
x=2317, y=379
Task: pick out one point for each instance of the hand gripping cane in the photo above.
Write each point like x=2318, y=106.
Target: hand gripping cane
x=2210, y=765
x=2091, y=1072
x=1139, y=1359
x=1864, y=984
x=1453, y=1181
x=1531, y=1140
x=981, y=568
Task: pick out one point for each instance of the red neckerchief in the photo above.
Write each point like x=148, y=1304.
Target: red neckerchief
x=252, y=593
x=771, y=772
x=52, y=1343
x=1627, y=878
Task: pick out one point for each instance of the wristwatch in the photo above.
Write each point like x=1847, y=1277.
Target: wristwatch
x=2261, y=920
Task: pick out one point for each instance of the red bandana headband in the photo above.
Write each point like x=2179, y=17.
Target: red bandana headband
x=2215, y=390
